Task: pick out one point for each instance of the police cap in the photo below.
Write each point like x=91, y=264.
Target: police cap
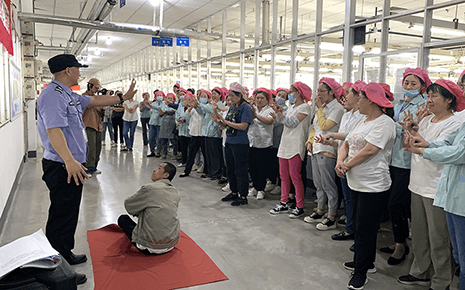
x=62, y=61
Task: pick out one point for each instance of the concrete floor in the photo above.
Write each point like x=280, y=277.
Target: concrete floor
x=255, y=249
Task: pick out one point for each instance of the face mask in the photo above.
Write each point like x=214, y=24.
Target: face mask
x=182, y=98
x=159, y=99
x=410, y=94
x=280, y=100
x=203, y=101
x=291, y=98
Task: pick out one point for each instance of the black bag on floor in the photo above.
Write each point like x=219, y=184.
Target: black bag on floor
x=62, y=277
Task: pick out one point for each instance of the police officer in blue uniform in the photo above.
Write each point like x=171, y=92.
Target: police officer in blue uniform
x=61, y=128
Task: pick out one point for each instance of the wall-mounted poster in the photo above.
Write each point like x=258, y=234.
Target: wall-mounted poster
x=16, y=94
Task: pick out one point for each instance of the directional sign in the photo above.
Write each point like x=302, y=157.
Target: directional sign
x=166, y=41
x=182, y=41
x=122, y=3
x=155, y=41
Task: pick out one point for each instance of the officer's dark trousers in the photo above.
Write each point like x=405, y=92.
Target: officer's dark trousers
x=63, y=213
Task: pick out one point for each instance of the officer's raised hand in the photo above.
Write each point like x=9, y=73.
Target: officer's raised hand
x=131, y=92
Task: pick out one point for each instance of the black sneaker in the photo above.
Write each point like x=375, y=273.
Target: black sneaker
x=239, y=201
x=314, y=217
x=410, y=280
x=352, y=248
x=342, y=236
x=351, y=267
x=357, y=282
x=342, y=222
x=296, y=213
x=151, y=154
x=326, y=224
x=279, y=208
x=291, y=203
x=223, y=180
x=80, y=279
x=230, y=197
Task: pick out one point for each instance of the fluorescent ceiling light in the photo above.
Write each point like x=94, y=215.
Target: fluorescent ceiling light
x=441, y=30
x=155, y=3
x=439, y=69
x=358, y=49
x=441, y=57
x=332, y=46
x=331, y=60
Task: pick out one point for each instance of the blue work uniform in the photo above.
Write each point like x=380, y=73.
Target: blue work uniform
x=59, y=107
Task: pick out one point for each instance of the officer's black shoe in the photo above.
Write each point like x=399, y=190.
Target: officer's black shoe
x=73, y=259
x=80, y=278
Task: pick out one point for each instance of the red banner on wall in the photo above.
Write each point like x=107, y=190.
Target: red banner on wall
x=5, y=25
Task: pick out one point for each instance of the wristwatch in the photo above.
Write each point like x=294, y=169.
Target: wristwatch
x=120, y=98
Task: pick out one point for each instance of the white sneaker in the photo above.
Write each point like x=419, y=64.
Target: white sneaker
x=253, y=191
x=276, y=190
x=326, y=224
x=270, y=186
x=97, y=172
x=261, y=195
x=226, y=188
x=181, y=165
x=200, y=170
x=195, y=167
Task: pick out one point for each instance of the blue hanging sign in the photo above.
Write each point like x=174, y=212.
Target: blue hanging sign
x=182, y=41
x=155, y=41
x=122, y=3
x=166, y=41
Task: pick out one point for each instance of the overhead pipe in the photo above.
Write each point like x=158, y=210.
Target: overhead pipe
x=116, y=27
x=99, y=11
x=50, y=48
x=266, y=22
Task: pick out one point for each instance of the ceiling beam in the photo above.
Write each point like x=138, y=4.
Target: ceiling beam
x=116, y=27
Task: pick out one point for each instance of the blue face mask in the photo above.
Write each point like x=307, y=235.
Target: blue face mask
x=410, y=94
x=280, y=100
x=203, y=101
x=159, y=98
x=291, y=98
x=182, y=98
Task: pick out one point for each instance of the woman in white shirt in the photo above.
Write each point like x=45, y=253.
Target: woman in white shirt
x=364, y=160
x=291, y=150
x=430, y=237
x=195, y=130
x=260, y=140
x=130, y=118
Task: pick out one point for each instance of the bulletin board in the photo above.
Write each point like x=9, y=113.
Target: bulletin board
x=16, y=92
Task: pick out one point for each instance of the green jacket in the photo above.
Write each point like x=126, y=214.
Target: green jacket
x=156, y=207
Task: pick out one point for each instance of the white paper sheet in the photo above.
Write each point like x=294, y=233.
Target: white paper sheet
x=24, y=250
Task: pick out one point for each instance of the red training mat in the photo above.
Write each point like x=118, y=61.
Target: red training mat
x=119, y=265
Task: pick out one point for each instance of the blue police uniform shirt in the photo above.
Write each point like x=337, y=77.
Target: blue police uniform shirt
x=241, y=114
x=59, y=107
